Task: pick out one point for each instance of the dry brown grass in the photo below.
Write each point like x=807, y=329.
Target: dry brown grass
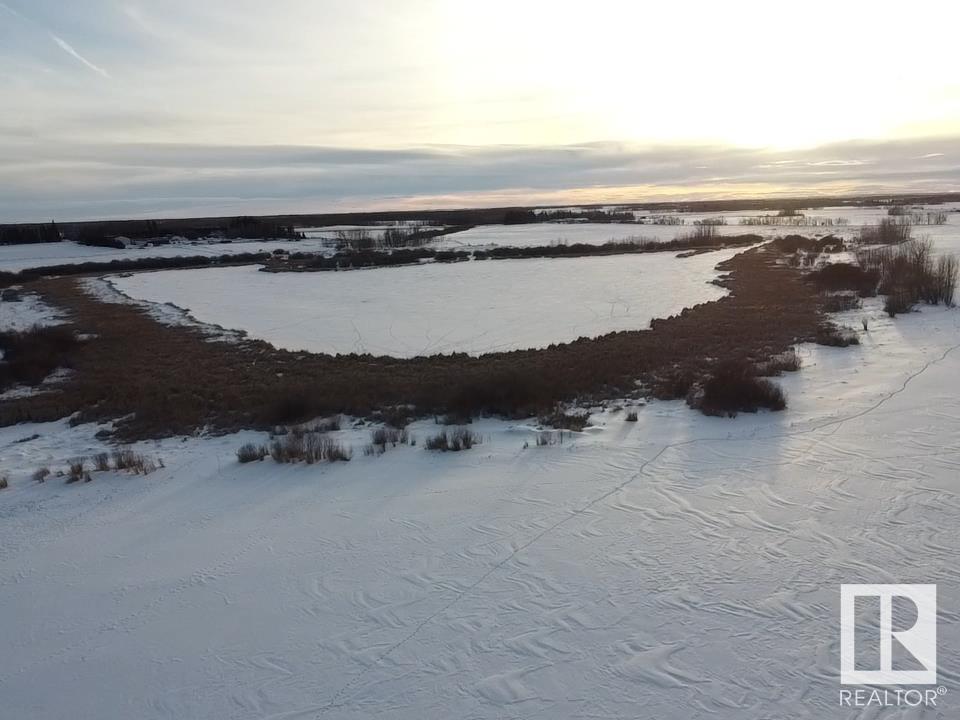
x=166, y=380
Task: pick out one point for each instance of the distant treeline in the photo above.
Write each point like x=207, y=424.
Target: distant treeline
x=594, y=215
x=29, y=234
x=284, y=226
x=392, y=238
x=240, y=228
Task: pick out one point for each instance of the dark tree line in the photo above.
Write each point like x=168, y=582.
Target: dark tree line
x=29, y=234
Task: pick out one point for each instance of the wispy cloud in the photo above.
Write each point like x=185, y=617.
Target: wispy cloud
x=41, y=179
x=68, y=48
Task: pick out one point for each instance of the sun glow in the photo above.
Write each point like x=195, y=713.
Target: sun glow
x=742, y=73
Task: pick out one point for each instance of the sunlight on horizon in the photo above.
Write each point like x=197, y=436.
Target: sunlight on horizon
x=149, y=107
x=730, y=73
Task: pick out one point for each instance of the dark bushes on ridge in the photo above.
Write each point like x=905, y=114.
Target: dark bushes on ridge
x=791, y=244
x=674, y=384
x=909, y=274
x=31, y=355
x=830, y=335
x=154, y=263
x=733, y=388
x=845, y=276
x=566, y=421
x=889, y=231
x=510, y=393
x=251, y=453
x=163, y=380
x=462, y=438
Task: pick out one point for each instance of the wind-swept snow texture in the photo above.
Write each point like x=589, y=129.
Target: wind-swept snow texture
x=674, y=568
x=473, y=307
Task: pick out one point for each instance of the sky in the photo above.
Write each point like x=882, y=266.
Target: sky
x=115, y=108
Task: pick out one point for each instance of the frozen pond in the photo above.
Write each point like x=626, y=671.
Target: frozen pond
x=537, y=234
x=471, y=307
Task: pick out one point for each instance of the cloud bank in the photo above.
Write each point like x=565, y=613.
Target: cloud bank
x=40, y=180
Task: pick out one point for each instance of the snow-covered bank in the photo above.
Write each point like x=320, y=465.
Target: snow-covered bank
x=14, y=258
x=26, y=312
x=676, y=567
x=472, y=307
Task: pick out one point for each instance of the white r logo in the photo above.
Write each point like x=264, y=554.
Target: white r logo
x=919, y=640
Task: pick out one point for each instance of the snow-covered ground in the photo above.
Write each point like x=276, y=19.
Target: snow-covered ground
x=600, y=233
x=14, y=258
x=676, y=567
x=27, y=312
x=553, y=233
x=322, y=239
x=473, y=307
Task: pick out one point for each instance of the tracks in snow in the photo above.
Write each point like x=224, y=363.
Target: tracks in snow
x=337, y=700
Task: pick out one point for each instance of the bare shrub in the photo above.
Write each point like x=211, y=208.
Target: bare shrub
x=29, y=356
x=41, y=474
x=674, y=384
x=308, y=447
x=909, y=274
x=124, y=459
x=945, y=279
x=547, y=438
x=566, y=421
x=845, y=276
x=130, y=461
x=381, y=437
x=733, y=388
x=336, y=452
x=101, y=462
x=461, y=438
x=832, y=336
x=841, y=302
x=793, y=244
x=897, y=303
x=631, y=416
x=77, y=471
x=702, y=232
x=788, y=361
x=329, y=425
x=251, y=453
x=398, y=416
x=889, y=231
x=440, y=441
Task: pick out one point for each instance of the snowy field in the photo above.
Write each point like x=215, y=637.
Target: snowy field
x=472, y=307
x=14, y=258
x=678, y=567
x=322, y=239
x=569, y=233
x=27, y=312
x=552, y=234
